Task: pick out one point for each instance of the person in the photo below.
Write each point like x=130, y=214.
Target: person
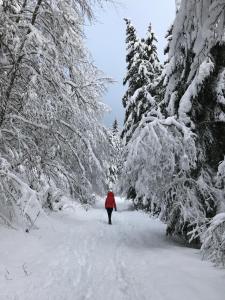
x=110, y=203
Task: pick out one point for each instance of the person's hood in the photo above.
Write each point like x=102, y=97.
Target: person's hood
x=110, y=194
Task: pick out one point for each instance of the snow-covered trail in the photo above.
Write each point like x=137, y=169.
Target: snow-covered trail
x=79, y=257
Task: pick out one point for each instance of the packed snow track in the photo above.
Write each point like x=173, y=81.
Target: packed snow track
x=78, y=256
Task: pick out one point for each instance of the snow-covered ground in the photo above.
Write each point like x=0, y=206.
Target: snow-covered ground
x=78, y=256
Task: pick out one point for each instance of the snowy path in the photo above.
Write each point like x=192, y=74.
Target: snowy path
x=81, y=257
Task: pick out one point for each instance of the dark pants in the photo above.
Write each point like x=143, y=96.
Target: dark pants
x=109, y=212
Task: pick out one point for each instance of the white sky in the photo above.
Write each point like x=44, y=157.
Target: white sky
x=106, y=41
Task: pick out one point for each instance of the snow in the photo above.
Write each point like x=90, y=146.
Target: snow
x=205, y=69
x=75, y=254
x=218, y=219
x=220, y=88
x=177, y=4
x=213, y=247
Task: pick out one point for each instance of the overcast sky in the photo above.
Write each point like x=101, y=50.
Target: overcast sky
x=106, y=41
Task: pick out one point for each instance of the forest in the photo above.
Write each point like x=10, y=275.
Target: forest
x=168, y=158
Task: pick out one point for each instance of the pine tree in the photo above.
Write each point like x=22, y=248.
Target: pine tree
x=164, y=77
x=195, y=96
x=143, y=88
x=143, y=69
x=132, y=48
x=150, y=57
x=132, y=45
x=152, y=71
x=115, y=128
x=116, y=155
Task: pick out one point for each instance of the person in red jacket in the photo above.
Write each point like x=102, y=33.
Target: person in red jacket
x=110, y=203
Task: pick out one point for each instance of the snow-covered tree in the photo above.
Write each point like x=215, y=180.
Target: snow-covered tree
x=116, y=160
x=163, y=79
x=143, y=71
x=159, y=158
x=51, y=138
x=132, y=48
x=193, y=56
x=115, y=128
x=142, y=97
x=151, y=62
x=195, y=85
x=213, y=247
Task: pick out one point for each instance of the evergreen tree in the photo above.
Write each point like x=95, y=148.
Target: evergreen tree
x=116, y=155
x=150, y=58
x=143, y=87
x=132, y=48
x=161, y=88
x=115, y=128
x=143, y=69
x=195, y=96
x=154, y=78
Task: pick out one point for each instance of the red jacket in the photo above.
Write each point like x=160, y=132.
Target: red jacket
x=110, y=201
